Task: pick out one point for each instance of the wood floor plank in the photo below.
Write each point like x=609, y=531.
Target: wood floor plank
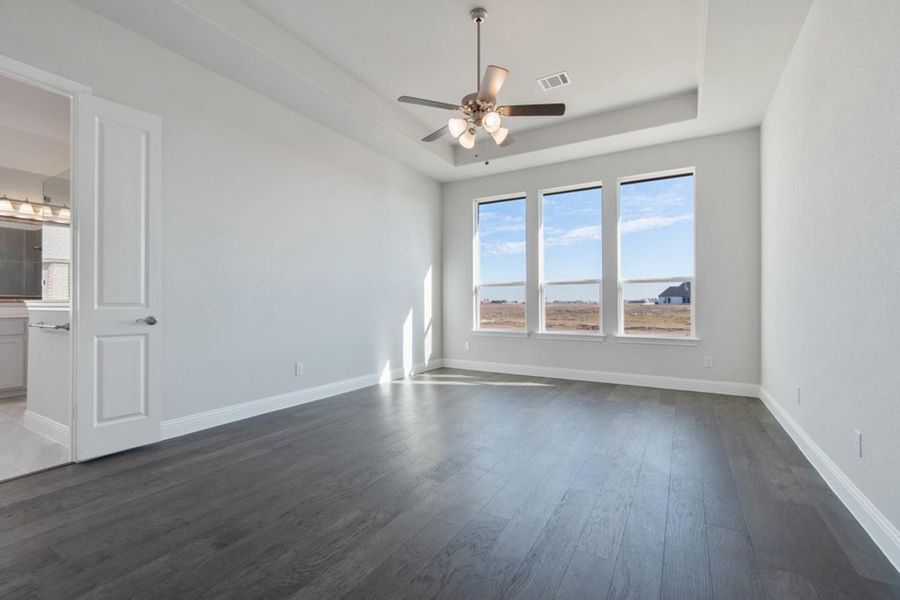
x=392, y=578
x=542, y=571
x=734, y=573
x=686, y=559
x=586, y=577
x=458, y=560
x=639, y=562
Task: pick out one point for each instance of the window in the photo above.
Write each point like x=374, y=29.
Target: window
x=571, y=260
x=499, y=264
x=656, y=256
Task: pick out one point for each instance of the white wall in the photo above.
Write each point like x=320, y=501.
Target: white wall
x=282, y=240
x=830, y=247
x=727, y=221
x=21, y=184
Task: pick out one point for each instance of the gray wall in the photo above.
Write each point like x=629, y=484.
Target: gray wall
x=727, y=259
x=830, y=246
x=282, y=240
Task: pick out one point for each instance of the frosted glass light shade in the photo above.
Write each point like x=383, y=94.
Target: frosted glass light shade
x=491, y=121
x=500, y=135
x=457, y=126
x=467, y=140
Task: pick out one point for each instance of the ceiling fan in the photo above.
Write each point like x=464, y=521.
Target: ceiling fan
x=480, y=108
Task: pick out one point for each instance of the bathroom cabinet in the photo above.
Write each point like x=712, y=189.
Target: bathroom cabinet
x=13, y=355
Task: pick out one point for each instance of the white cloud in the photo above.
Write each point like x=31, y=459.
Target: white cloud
x=503, y=248
x=495, y=229
x=567, y=237
x=645, y=223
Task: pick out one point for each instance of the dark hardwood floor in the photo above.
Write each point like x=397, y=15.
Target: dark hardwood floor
x=454, y=485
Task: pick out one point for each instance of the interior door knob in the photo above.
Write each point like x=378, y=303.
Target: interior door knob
x=151, y=320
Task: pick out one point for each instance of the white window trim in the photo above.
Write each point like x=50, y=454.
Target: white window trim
x=542, y=332
x=570, y=336
x=476, y=270
x=689, y=340
x=501, y=333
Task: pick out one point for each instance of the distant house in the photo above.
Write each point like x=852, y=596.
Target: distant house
x=676, y=294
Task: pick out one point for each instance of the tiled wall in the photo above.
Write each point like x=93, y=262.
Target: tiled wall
x=20, y=261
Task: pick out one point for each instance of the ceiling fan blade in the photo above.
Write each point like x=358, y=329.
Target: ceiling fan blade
x=435, y=134
x=491, y=83
x=532, y=110
x=425, y=102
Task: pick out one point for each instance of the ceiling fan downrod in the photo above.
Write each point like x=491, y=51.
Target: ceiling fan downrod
x=478, y=15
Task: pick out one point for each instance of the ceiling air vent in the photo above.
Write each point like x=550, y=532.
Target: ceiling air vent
x=554, y=81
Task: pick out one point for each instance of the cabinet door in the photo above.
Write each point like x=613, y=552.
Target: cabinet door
x=12, y=362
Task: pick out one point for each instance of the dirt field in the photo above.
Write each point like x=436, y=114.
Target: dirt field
x=658, y=319
x=572, y=317
x=502, y=316
x=641, y=319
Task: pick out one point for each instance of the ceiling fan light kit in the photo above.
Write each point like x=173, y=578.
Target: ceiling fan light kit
x=457, y=126
x=480, y=108
x=467, y=140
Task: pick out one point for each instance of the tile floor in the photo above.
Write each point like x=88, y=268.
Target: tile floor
x=22, y=450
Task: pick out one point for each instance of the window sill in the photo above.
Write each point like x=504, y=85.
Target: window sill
x=500, y=333
x=659, y=340
x=562, y=335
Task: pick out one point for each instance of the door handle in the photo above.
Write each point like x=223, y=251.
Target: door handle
x=151, y=320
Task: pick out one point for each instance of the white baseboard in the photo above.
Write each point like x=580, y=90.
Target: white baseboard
x=228, y=414
x=13, y=393
x=656, y=381
x=884, y=533
x=47, y=427
x=435, y=363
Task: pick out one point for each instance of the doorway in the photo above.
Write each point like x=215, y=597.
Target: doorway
x=35, y=278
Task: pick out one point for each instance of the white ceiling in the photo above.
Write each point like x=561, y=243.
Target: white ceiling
x=427, y=49
x=643, y=71
x=34, y=128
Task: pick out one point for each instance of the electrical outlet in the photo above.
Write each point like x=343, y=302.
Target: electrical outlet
x=466, y=346
x=708, y=361
x=857, y=441
x=797, y=393
x=298, y=369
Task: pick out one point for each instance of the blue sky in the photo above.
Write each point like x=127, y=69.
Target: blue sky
x=656, y=227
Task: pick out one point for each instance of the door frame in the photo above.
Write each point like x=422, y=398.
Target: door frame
x=50, y=82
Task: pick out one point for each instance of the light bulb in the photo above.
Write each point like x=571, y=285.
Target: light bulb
x=467, y=140
x=500, y=135
x=456, y=126
x=491, y=121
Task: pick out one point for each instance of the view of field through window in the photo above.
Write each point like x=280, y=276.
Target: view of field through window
x=573, y=259
x=501, y=255
x=656, y=229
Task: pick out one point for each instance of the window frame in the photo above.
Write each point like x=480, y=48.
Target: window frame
x=662, y=339
x=543, y=283
x=476, y=268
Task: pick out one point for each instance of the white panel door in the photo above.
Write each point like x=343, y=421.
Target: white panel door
x=118, y=318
